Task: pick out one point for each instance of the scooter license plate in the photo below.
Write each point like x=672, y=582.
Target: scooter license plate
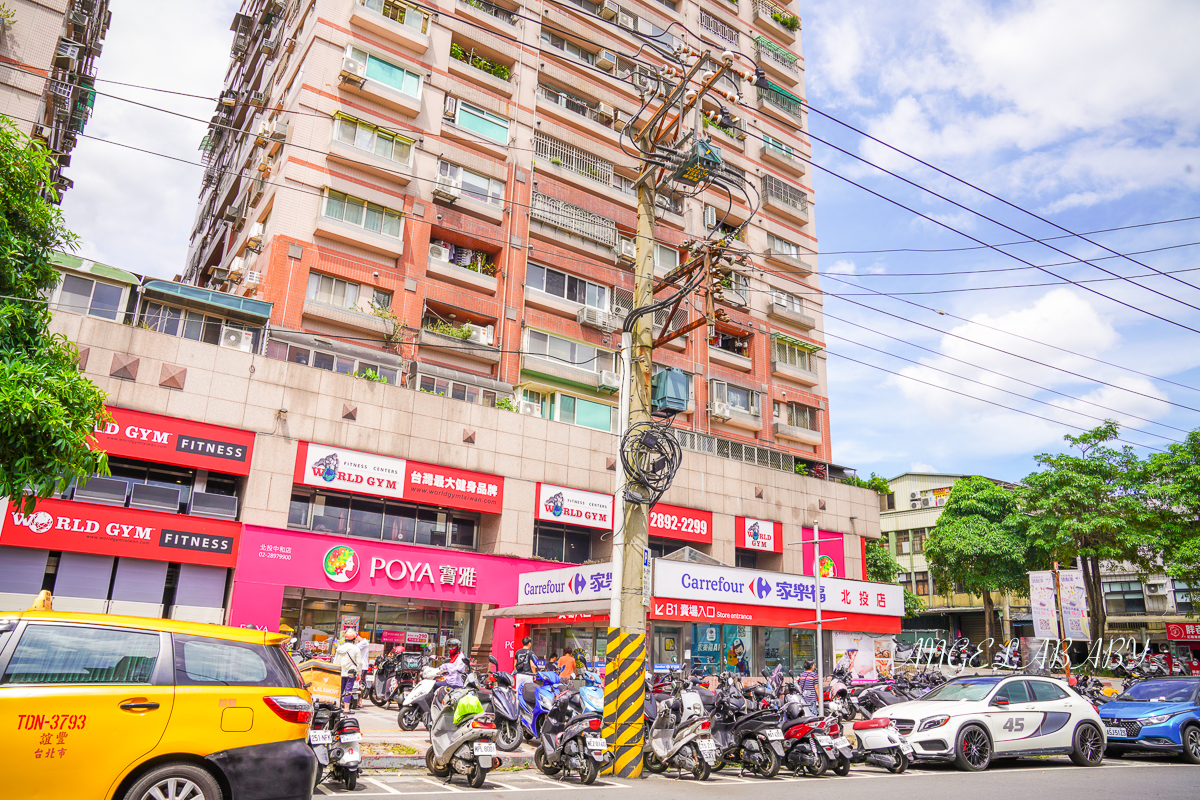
x=841, y=741
x=320, y=737
x=1119, y=732
x=906, y=748
x=351, y=737
x=823, y=740
x=708, y=749
x=597, y=743
x=774, y=734
x=485, y=749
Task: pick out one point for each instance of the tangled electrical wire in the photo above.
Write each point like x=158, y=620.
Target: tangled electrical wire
x=651, y=457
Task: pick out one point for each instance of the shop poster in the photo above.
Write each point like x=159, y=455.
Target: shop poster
x=706, y=649
x=1073, y=594
x=739, y=643
x=867, y=657
x=1042, y=605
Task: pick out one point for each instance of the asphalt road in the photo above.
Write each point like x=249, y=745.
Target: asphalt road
x=1057, y=778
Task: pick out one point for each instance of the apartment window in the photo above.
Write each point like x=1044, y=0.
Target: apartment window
x=178, y=322
x=904, y=579
x=738, y=345
x=1187, y=597
x=922, y=583
x=82, y=295
x=567, y=46
x=457, y=391
x=364, y=136
x=1124, y=597
x=569, y=353
x=665, y=258
x=474, y=185
x=779, y=147
x=485, y=123
x=585, y=413
x=343, y=294
x=903, y=543
x=792, y=354
x=568, y=287
x=745, y=559
x=796, y=415
x=788, y=301
x=362, y=214
x=400, y=12
x=744, y=400
x=371, y=518
x=783, y=246
x=544, y=401
x=387, y=73
x=564, y=543
x=918, y=541
x=331, y=362
x=623, y=184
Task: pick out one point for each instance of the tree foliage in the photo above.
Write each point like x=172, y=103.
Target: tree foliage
x=1174, y=496
x=47, y=409
x=881, y=567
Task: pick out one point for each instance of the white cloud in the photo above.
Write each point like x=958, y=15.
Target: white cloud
x=921, y=466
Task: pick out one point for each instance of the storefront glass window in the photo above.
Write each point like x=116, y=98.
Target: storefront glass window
x=431, y=527
x=561, y=542
x=330, y=513
x=739, y=649
x=370, y=518
x=667, y=645
x=706, y=649
x=581, y=639
x=744, y=559
x=366, y=518
x=777, y=649
x=400, y=523
x=298, y=511
x=804, y=648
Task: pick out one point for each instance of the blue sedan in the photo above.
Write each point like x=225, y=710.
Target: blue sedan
x=1159, y=715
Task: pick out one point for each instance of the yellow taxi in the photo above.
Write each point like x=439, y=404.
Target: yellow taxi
x=129, y=708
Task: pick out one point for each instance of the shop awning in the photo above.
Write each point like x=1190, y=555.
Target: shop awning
x=550, y=609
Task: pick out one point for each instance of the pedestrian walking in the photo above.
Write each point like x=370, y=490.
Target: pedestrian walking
x=348, y=658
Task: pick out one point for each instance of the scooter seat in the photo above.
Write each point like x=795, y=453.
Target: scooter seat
x=529, y=694
x=791, y=723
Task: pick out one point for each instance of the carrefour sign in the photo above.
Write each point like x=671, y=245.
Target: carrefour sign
x=687, y=581
x=592, y=582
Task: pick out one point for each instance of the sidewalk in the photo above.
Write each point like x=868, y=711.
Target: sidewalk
x=385, y=746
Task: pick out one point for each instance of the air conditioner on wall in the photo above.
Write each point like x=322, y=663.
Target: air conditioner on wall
x=608, y=10
x=924, y=501
x=913, y=495
x=606, y=60
x=628, y=250
x=533, y=409
x=353, y=70
x=718, y=410
x=609, y=381
x=438, y=253
x=481, y=335
x=447, y=189
x=237, y=339
x=914, y=504
x=1154, y=588
x=595, y=318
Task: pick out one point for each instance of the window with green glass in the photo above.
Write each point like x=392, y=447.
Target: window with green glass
x=485, y=123
x=585, y=413
x=376, y=219
x=387, y=73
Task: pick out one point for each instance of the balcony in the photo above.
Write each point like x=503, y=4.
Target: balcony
x=461, y=276
x=789, y=314
x=777, y=19
x=399, y=22
x=385, y=95
x=453, y=345
x=776, y=59
x=471, y=66
x=573, y=219
x=489, y=15
x=785, y=199
x=719, y=29
x=358, y=236
x=785, y=156
x=559, y=371
x=741, y=418
x=800, y=375
x=365, y=160
x=728, y=358
x=782, y=100
x=795, y=266
x=569, y=109
x=572, y=158
x=347, y=318
x=782, y=430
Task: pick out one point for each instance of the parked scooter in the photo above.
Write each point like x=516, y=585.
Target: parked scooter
x=809, y=745
x=334, y=738
x=537, y=696
x=461, y=735
x=1009, y=656
x=414, y=708
x=506, y=707
x=744, y=733
x=571, y=740
x=879, y=743
x=680, y=735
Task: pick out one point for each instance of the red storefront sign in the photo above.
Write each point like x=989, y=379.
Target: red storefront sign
x=346, y=470
x=770, y=616
x=758, y=534
x=167, y=440
x=125, y=532
x=684, y=524
x=1183, y=631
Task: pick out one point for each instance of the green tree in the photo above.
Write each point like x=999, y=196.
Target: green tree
x=1093, y=508
x=978, y=544
x=1174, y=499
x=47, y=409
x=883, y=568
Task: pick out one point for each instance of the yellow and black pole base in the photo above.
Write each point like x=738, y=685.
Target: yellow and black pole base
x=624, y=701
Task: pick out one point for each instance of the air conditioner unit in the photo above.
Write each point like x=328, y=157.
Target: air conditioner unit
x=710, y=216
x=289, y=45
x=481, y=335
x=237, y=265
x=254, y=240
x=353, y=70
x=269, y=47
x=604, y=110
x=253, y=278
x=924, y=502
x=232, y=212
x=279, y=130
x=627, y=249
x=450, y=108
x=219, y=274
x=43, y=132
x=258, y=98
x=264, y=164
x=1154, y=588
x=533, y=409
x=595, y=318
x=606, y=60
x=446, y=188
x=438, y=253
x=718, y=410
x=237, y=339
x=79, y=18
x=913, y=495
x=914, y=504
x=627, y=21
x=261, y=133
x=608, y=9
x=609, y=381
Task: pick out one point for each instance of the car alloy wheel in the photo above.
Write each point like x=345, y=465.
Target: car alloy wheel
x=174, y=789
x=1089, y=747
x=975, y=749
x=1191, y=744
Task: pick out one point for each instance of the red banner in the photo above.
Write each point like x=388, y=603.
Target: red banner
x=347, y=470
x=684, y=524
x=168, y=440
x=126, y=532
x=1183, y=631
x=758, y=534
x=770, y=616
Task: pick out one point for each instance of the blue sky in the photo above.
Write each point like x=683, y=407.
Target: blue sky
x=1086, y=113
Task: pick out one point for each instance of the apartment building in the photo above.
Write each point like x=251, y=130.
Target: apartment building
x=48, y=52
x=907, y=515
x=268, y=492
x=444, y=183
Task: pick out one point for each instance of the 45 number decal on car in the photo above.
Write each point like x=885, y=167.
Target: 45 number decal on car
x=1014, y=725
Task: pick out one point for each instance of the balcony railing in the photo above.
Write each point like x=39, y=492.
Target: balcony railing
x=770, y=10
x=773, y=187
x=502, y=14
x=765, y=48
x=573, y=219
x=572, y=158
x=784, y=101
x=407, y=15
x=718, y=28
x=580, y=107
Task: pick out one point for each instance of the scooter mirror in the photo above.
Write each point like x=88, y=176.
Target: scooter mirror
x=492, y=660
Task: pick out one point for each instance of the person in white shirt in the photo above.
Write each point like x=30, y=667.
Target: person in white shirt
x=349, y=659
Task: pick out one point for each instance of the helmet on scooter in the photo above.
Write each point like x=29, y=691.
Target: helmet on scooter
x=468, y=705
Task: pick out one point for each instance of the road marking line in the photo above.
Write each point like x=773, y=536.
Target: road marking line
x=321, y=786
x=383, y=786
x=446, y=787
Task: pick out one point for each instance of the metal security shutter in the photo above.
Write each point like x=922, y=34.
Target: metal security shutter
x=140, y=581
x=973, y=627
x=22, y=570
x=200, y=586
x=83, y=575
